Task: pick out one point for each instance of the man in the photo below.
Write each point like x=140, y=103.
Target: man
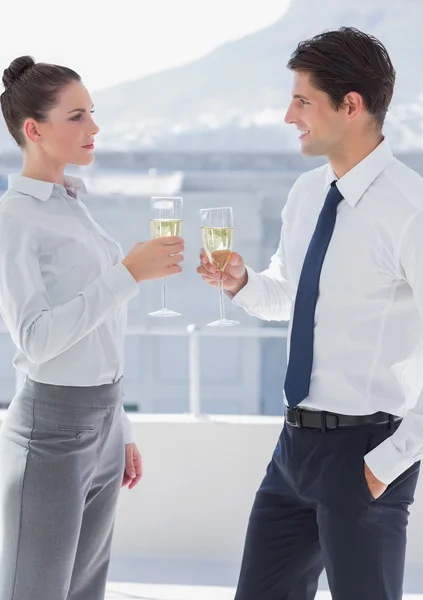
x=349, y=274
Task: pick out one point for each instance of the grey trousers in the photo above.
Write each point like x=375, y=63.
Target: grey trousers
x=62, y=460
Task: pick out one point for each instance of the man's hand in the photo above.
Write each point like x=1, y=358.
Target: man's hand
x=376, y=487
x=133, y=466
x=234, y=278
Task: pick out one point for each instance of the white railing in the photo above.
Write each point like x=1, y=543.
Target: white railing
x=194, y=333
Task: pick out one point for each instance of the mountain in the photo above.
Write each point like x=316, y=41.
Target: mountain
x=235, y=98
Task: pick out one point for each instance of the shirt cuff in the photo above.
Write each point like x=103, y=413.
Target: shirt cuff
x=121, y=283
x=128, y=434
x=386, y=462
x=249, y=295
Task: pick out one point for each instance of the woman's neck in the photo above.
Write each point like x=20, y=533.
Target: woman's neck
x=42, y=170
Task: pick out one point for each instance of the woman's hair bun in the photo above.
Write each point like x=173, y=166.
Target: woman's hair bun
x=17, y=68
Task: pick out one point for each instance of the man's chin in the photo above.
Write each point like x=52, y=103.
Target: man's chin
x=309, y=149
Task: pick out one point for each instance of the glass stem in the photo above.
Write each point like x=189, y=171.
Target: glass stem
x=221, y=300
x=164, y=298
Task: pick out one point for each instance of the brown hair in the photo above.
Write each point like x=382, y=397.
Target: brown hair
x=348, y=60
x=31, y=90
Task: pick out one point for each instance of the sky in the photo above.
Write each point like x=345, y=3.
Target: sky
x=111, y=42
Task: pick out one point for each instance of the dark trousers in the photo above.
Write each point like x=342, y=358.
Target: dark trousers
x=314, y=511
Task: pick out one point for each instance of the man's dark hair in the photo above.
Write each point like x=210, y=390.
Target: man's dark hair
x=348, y=60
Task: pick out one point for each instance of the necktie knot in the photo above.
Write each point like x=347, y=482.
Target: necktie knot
x=334, y=196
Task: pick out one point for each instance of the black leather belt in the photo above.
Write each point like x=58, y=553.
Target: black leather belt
x=301, y=417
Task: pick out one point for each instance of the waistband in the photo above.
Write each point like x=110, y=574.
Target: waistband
x=101, y=396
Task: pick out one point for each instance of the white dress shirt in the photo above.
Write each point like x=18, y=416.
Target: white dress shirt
x=63, y=287
x=368, y=335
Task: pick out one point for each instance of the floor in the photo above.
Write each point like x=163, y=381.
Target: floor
x=158, y=579
x=134, y=591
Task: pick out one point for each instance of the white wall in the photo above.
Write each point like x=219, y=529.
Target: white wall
x=199, y=482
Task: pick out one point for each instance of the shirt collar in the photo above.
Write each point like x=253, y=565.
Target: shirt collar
x=357, y=181
x=42, y=190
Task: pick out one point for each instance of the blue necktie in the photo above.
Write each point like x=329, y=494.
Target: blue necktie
x=297, y=382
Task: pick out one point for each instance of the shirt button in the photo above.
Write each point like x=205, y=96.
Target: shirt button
x=78, y=436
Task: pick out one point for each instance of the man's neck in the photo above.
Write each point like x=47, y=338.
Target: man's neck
x=349, y=156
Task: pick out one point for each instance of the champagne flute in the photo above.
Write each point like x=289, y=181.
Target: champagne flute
x=165, y=221
x=216, y=234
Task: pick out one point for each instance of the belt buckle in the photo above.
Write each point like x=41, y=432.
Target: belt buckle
x=298, y=418
x=332, y=421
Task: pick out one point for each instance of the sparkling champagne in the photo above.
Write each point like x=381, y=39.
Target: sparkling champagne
x=165, y=227
x=217, y=242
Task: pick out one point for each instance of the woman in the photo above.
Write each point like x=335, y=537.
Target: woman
x=64, y=287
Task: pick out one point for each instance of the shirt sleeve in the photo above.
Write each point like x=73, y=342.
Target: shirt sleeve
x=42, y=331
x=405, y=447
x=269, y=295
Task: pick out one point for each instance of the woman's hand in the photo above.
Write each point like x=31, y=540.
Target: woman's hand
x=133, y=466
x=155, y=259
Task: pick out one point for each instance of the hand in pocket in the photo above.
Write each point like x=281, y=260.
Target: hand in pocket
x=376, y=487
